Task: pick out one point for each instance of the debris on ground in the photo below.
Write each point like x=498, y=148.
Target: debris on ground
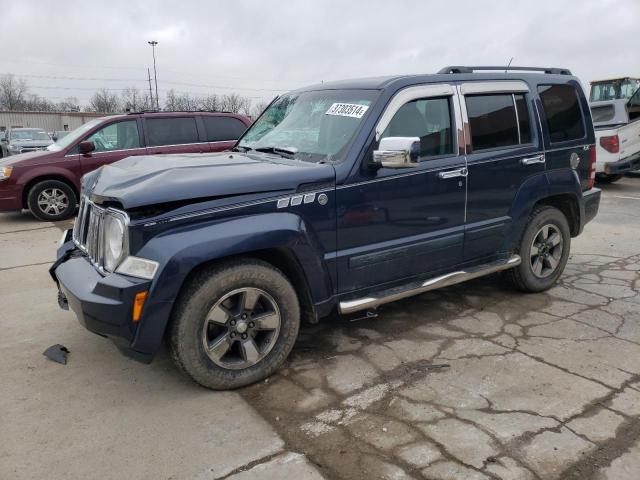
x=57, y=353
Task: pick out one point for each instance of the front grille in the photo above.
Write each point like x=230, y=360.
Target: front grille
x=87, y=231
x=31, y=149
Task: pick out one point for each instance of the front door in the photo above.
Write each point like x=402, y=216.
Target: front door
x=113, y=142
x=504, y=150
x=394, y=224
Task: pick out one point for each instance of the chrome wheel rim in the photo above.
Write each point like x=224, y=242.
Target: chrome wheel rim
x=53, y=201
x=241, y=328
x=546, y=251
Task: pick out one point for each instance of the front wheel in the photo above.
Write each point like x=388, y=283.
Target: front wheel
x=544, y=250
x=234, y=324
x=52, y=200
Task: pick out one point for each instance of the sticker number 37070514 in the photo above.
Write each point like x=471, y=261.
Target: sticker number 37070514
x=347, y=110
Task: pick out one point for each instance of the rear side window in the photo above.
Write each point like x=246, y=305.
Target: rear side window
x=428, y=119
x=219, y=129
x=561, y=107
x=171, y=131
x=498, y=120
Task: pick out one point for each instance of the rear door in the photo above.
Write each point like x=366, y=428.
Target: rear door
x=504, y=150
x=113, y=142
x=568, y=131
x=222, y=132
x=166, y=134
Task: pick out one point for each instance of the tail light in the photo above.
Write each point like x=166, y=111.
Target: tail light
x=592, y=165
x=611, y=143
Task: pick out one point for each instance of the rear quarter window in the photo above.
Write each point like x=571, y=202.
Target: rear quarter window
x=171, y=131
x=219, y=129
x=562, y=112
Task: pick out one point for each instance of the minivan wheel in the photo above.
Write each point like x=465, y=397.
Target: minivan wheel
x=234, y=324
x=544, y=250
x=51, y=201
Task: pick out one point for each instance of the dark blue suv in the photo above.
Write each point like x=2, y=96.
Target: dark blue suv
x=341, y=197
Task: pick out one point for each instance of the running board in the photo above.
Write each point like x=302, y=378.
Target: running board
x=415, y=288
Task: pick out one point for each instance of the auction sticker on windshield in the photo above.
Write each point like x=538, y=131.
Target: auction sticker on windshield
x=347, y=110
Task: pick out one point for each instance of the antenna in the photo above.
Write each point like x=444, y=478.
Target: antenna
x=508, y=65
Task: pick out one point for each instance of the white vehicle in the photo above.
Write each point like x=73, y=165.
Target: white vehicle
x=617, y=139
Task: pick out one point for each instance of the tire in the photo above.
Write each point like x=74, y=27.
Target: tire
x=62, y=197
x=534, y=274
x=604, y=178
x=203, y=352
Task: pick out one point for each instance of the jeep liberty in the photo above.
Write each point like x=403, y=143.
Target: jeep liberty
x=340, y=198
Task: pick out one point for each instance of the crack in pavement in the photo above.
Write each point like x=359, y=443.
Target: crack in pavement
x=354, y=396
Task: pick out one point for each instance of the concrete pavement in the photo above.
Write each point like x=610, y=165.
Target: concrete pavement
x=542, y=386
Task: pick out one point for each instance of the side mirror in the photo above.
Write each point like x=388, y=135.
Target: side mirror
x=397, y=152
x=86, y=147
x=54, y=138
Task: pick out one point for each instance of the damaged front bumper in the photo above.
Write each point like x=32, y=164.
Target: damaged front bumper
x=103, y=304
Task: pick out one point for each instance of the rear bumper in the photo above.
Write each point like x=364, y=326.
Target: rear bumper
x=589, y=206
x=103, y=305
x=623, y=166
x=10, y=196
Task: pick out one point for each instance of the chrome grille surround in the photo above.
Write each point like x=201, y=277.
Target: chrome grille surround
x=88, y=231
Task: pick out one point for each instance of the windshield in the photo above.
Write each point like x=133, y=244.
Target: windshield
x=29, y=135
x=74, y=135
x=312, y=126
x=614, y=89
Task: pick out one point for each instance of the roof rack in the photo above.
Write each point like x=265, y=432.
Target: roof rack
x=468, y=69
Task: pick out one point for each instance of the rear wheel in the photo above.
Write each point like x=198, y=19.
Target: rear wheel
x=604, y=178
x=234, y=324
x=52, y=200
x=544, y=250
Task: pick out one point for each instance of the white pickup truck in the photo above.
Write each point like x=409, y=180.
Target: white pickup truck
x=617, y=140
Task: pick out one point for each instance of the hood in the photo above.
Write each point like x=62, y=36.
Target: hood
x=31, y=143
x=27, y=158
x=150, y=180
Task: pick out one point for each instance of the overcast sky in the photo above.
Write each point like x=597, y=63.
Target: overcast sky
x=262, y=48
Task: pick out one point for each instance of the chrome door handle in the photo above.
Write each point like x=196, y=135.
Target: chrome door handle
x=460, y=172
x=533, y=160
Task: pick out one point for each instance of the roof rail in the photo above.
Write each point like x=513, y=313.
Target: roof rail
x=468, y=69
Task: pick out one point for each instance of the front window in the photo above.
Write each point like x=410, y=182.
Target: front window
x=29, y=135
x=614, y=89
x=116, y=136
x=312, y=126
x=75, y=135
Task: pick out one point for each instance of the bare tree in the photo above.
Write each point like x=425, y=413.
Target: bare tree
x=211, y=103
x=258, y=108
x=104, y=101
x=35, y=103
x=235, y=103
x=181, y=102
x=69, y=104
x=13, y=92
x=134, y=101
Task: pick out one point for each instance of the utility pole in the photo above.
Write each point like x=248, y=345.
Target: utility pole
x=153, y=44
x=150, y=91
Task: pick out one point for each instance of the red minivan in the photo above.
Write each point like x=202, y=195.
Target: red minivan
x=47, y=182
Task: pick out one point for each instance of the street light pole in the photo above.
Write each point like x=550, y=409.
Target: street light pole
x=153, y=44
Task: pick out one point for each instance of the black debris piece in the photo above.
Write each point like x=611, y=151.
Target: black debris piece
x=57, y=353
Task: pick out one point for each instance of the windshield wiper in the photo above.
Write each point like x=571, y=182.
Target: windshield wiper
x=240, y=148
x=286, y=152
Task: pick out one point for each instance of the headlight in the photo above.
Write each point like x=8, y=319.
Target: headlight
x=5, y=172
x=15, y=148
x=115, y=241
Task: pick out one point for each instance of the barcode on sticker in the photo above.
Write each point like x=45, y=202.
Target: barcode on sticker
x=347, y=110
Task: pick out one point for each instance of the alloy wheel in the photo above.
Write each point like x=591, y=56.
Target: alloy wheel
x=241, y=328
x=53, y=201
x=546, y=251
